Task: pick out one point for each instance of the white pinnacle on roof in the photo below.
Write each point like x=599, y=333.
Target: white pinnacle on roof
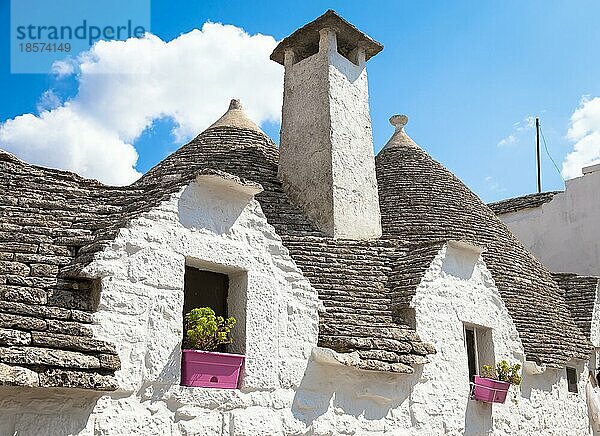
x=399, y=137
x=235, y=117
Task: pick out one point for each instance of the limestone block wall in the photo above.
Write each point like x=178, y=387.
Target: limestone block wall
x=305, y=150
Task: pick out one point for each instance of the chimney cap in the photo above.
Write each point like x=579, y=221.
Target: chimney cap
x=235, y=104
x=349, y=37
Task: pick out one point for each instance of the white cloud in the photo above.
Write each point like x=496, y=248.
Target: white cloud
x=48, y=101
x=510, y=139
x=584, y=131
x=64, y=68
x=526, y=123
x=493, y=185
x=125, y=85
x=519, y=127
x=71, y=141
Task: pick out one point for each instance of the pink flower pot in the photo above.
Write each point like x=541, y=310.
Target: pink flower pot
x=210, y=370
x=490, y=390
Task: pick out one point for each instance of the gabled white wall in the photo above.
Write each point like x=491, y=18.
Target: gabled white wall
x=140, y=311
x=456, y=289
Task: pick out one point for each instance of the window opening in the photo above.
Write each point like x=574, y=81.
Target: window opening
x=572, y=379
x=205, y=289
x=479, y=347
x=471, y=345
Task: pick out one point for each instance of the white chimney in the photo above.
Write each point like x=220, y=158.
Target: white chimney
x=327, y=163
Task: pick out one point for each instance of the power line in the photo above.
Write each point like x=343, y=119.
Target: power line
x=537, y=155
x=550, y=156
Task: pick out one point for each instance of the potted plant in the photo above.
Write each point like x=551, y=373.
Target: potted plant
x=202, y=365
x=493, y=385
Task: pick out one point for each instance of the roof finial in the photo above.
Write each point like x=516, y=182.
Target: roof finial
x=235, y=117
x=235, y=104
x=399, y=121
x=399, y=138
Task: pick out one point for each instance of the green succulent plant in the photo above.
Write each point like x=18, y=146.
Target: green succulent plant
x=503, y=372
x=206, y=331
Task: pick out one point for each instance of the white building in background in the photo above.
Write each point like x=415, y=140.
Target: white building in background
x=368, y=290
x=562, y=229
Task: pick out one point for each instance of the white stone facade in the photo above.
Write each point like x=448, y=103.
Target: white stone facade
x=564, y=233
x=289, y=388
x=458, y=289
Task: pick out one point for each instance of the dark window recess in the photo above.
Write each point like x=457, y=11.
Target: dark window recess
x=406, y=316
x=572, y=379
x=205, y=289
x=471, y=352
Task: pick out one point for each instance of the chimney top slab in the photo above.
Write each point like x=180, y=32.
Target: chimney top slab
x=307, y=37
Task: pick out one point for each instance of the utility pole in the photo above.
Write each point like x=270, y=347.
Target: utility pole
x=539, y=158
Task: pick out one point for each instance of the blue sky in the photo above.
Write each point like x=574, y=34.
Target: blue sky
x=468, y=74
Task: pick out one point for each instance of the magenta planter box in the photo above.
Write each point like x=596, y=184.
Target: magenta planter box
x=207, y=369
x=490, y=390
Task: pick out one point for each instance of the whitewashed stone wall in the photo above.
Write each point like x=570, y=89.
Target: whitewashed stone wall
x=226, y=232
x=289, y=388
x=595, y=326
x=458, y=288
x=564, y=234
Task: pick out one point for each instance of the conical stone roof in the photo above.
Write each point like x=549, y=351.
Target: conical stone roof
x=421, y=201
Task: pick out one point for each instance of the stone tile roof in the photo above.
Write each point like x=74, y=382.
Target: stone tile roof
x=352, y=278
x=421, y=201
x=580, y=293
x=45, y=334
x=519, y=203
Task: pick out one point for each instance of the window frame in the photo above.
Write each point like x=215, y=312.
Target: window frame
x=473, y=329
x=572, y=386
x=236, y=299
